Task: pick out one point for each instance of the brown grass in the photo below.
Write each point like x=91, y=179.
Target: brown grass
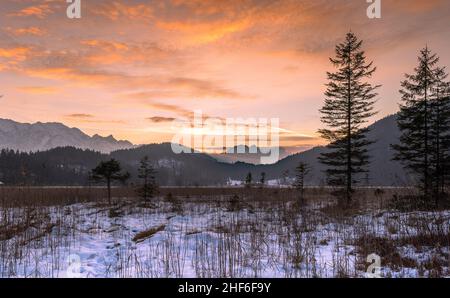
x=141, y=236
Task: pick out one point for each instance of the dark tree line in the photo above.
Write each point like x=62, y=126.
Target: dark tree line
x=71, y=166
x=59, y=166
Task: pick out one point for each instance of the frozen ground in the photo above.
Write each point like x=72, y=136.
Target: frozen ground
x=219, y=239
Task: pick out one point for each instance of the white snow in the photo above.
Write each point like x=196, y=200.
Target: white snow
x=86, y=242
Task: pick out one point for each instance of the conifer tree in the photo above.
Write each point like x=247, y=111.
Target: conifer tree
x=109, y=171
x=262, y=180
x=248, y=180
x=301, y=171
x=146, y=173
x=424, y=120
x=349, y=101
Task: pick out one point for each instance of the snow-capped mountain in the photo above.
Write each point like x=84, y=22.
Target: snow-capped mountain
x=182, y=169
x=43, y=136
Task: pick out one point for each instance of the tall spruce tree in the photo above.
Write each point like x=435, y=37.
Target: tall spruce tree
x=349, y=101
x=424, y=120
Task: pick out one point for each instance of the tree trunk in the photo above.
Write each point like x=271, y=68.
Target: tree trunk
x=108, y=184
x=145, y=188
x=349, y=142
x=426, y=184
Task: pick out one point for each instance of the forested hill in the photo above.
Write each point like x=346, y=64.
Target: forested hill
x=71, y=166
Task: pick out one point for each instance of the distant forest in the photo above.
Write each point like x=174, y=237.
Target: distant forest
x=72, y=166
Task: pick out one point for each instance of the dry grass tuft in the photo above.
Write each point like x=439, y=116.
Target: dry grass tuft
x=141, y=236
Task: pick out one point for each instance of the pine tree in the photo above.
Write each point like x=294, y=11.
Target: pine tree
x=109, y=171
x=349, y=101
x=262, y=180
x=301, y=171
x=248, y=180
x=424, y=122
x=146, y=173
x=285, y=177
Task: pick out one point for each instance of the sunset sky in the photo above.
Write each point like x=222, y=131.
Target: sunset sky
x=130, y=67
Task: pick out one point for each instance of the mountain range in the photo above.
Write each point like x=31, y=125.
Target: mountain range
x=70, y=166
x=39, y=136
x=26, y=137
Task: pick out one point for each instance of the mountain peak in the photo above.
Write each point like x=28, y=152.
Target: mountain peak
x=44, y=136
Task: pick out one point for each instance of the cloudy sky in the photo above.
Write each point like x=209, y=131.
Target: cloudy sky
x=129, y=67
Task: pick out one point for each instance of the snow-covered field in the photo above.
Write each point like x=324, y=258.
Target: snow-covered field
x=219, y=238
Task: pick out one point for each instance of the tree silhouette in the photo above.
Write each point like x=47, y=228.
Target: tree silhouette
x=301, y=171
x=285, y=176
x=262, y=180
x=248, y=180
x=349, y=101
x=146, y=173
x=109, y=171
x=424, y=121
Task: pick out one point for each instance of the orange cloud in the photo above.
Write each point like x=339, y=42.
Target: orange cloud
x=36, y=31
x=105, y=45
x=39, y=11
x=15, y=54
x=82, y=115
x=88, y=118
x=416, y=6
x=159, y=119
x=127, y=54
x=117, y=10
x=204, y=33
x=111, y=52
x=38, y=90
x=202, y=88
x=171, y=108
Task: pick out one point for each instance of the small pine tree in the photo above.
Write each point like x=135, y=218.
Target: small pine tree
x=301, y=171
x=349, y=101
x=109, y=171
x=248, y=180
x=262, y=180
x=146, y=173
x=285, y=177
